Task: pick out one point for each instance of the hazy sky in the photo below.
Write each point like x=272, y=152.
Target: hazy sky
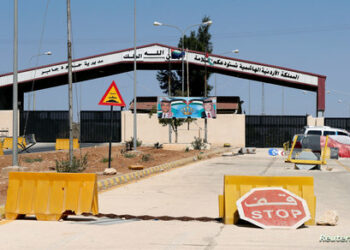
x=307, y=35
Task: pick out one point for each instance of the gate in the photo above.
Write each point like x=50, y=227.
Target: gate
x=95, y=126
x=272, y=131
x=343, y=123
x=46, y=125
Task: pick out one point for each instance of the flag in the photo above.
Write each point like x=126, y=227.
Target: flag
x=210, y=61
x=176, y=54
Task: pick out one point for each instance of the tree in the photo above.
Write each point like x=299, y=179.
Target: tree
x=198, y=41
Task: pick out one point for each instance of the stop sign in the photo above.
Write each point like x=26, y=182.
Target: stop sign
x=273, y=207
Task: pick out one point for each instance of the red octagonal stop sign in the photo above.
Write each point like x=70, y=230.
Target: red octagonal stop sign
x=273, y=207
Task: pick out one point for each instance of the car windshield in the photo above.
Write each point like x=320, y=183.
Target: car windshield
x=314, y=132
x=342, y=133
x=328, y=132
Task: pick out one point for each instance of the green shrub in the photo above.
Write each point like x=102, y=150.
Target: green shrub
x=31, y=160
x=146, y=157
x=105, y=159
x=129, y=155
x=198, y=143
x=131, y=141
x=187, y=149
x=78, y=165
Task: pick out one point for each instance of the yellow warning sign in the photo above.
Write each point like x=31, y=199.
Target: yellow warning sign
x=112, y=97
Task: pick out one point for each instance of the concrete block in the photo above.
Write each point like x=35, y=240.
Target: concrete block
x=136, y=167
x=110, y=171
x=5, y=171
x=329, y=218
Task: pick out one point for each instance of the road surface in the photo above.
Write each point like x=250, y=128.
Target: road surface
x=191, y=190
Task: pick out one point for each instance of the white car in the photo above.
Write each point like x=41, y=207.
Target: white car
x=324, y=130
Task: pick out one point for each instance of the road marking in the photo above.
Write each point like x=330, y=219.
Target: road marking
x=344, y=166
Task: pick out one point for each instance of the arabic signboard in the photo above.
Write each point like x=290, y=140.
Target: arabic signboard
x=273, y=207
x=112, y=97
x=163, y=54
x=186, y=107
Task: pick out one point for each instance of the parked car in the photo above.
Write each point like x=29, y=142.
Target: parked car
x=302, y=141
x=324, y=130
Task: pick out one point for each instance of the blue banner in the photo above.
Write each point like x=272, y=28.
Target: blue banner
x=186, y=107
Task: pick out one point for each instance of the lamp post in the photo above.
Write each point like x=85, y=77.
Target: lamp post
x=183, y=32
x=15, y=87
x=46, y=53
x=135, y=84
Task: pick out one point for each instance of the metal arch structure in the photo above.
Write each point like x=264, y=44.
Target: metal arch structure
x=155, y=57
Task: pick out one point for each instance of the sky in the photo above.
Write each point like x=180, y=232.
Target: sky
x=306, y=35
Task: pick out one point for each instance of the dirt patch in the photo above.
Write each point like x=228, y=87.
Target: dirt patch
x=97, y=160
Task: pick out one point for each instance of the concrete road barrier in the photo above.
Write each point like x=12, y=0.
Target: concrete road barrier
x=236, y=186
x=63, y=144
x=49, y=196
x=8, y=142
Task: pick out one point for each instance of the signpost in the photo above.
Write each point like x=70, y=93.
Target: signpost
x=273, y=207
x=112, y=97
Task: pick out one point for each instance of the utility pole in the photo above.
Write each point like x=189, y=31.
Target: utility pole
x=135, y=102
x=282, y=100
x=70, y=94
x=249, y=110
x=15, y=88
x=188, y=75
x=169, y=90
x=263, y=99
x=205, y=95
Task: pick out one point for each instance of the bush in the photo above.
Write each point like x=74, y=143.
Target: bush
x=105, y=159
x=31, y=160
x=131, y=142
x=187, y=149
x=129, y=155
x=78, y=165
x=198, y=143
x=146, y=157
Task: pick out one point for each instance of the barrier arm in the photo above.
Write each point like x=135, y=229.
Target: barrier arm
x=291, y=150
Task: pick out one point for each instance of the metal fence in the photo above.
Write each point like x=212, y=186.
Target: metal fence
x=343, y=123
x=272, y=131
x=95, y=126
x=46, y=125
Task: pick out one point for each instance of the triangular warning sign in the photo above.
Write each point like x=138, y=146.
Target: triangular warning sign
x=112, y=97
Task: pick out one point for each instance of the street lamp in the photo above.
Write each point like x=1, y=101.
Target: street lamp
x=183, y=32
x=46, y=53
x=235, y=51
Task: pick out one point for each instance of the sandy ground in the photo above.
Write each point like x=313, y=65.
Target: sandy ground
x=191, y=190
x=97, y=160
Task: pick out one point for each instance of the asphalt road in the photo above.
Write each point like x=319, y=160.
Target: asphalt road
x=189, y=191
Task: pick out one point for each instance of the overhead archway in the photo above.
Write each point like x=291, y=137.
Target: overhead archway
x=155, y=57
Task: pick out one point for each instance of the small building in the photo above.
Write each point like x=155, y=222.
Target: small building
x=225, y=104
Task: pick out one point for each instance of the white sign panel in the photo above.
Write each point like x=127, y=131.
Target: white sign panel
x=159, y=54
